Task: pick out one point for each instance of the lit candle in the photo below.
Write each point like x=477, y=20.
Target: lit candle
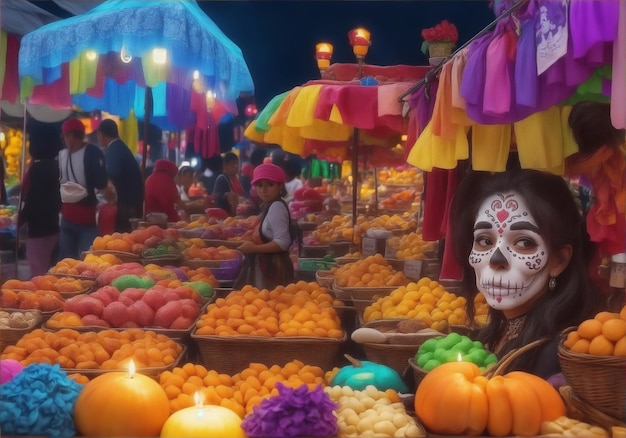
x=360, y=41
x=121, y=403
x=203, y=421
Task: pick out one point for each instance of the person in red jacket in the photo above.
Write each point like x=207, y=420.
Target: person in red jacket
x=161, y=194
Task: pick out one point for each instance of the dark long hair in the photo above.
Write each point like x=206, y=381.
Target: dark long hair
x=553, y=207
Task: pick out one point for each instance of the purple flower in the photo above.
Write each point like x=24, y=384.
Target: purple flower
x=293, y=413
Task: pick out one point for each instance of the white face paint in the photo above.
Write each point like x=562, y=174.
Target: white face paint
x=509, y=256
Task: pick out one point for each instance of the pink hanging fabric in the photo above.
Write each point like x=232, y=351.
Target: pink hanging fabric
x=618, y=86
x=55, y=94
x=11, y=84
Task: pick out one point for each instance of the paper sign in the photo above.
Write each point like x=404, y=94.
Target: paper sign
x=368, y=246
x=413, y=269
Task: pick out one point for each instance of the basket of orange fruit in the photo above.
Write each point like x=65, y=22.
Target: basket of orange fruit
x=297, y=321
x=593, y=361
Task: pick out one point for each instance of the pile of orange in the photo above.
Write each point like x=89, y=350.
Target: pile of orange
x=410, y=246
x=44, y=300
x=64, y=319
x=603, y=335
x=426, y=301
x=200, y=274
x=298, y=309
x=91, y=266
x=107, y=349
x=133, y=242
x=210, y=253
x=240, y=392
x=50, y=282
x=372, y=271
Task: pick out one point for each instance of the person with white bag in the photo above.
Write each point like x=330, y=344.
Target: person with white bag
x=83, y=172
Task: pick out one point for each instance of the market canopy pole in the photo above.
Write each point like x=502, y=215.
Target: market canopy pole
x=148, y=105
x=360, y=42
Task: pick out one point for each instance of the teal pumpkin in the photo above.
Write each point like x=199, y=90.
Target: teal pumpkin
x=362, y=373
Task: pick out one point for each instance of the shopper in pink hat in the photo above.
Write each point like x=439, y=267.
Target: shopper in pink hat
x=267, y=263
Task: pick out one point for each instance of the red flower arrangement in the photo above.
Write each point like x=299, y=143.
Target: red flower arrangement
x=444, y=32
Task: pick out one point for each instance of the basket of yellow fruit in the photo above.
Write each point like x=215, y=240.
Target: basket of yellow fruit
x=593, y=359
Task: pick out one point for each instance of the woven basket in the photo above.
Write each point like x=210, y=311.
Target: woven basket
x=232, y=244
x=231, y=354
x=178, y=335
x=440, y=48
x=67, y=295
x=368, y=293
x=498, y=369
x=324, y=278
x=399, y=348
x=576, y=408
x=152, y=372
x=10, y=336
x=359, y=307
x=345, y=260
x=594, y=379
x=163, y=260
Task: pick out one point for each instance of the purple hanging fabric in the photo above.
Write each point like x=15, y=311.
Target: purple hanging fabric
x=498, y=99
x=526, y=80
x=593, y=24
x=178, y=102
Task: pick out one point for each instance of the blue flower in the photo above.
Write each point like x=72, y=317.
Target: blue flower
x=39, y=401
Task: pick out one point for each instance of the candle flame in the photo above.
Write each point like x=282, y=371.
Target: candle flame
x=131, y=369
x=459, y=357
x=198, y=398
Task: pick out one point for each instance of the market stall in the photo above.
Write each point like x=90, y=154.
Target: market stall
x=166, y=63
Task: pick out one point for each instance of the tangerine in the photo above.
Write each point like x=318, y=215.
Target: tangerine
x=601, y=346
x=589, y=329
x=614, y=329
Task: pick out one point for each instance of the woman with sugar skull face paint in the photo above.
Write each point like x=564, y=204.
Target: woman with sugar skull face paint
x=522, y=243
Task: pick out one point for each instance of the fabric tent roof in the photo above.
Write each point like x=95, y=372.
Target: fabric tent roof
x=20, y=16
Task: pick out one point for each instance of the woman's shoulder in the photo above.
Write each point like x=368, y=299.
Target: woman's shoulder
x=278, y=206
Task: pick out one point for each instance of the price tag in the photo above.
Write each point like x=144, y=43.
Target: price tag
x=413, y=269
x=368, y=246
x=390, y=251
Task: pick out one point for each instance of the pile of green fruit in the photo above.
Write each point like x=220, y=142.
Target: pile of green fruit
x=442, y=349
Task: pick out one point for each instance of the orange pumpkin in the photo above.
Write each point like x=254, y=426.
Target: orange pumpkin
x=114, y=404
x=457, y=399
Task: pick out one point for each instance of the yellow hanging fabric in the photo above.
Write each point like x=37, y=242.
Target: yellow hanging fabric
x=540, y=141
x=490, y=147
x=432, y=151
x=130, y=132
x=83, y=70
x=154, y=73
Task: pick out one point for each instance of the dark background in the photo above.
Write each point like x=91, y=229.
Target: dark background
x=278, y=37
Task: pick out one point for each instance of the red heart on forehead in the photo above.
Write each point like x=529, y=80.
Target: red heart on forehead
x=502, y=215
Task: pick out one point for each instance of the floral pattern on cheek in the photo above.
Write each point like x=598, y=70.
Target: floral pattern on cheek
x=476, y=257
x=534, y=262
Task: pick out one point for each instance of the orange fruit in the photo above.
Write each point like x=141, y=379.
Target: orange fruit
x=581, y=346
x=601, y=346
x=589, y=329
x=605, y=316
x=620, y=348
x=614, y=329
x=572, y=338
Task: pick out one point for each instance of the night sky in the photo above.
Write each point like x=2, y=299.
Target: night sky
x=278, y=38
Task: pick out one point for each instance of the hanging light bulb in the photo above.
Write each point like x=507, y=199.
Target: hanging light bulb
x=196, y=75
x=91, y=55
x=125, y=56
x=159, y=56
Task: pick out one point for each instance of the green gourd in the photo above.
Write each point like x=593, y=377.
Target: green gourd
x=362, y=373
x=125, y=281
